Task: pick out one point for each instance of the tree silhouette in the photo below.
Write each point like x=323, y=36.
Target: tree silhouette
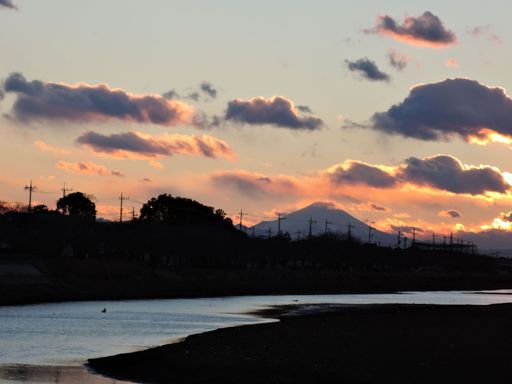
x=77, y=204
x=179, y=211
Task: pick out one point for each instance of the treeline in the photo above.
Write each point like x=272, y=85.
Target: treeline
x=176, y=232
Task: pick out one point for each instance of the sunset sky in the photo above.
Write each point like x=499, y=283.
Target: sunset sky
x=396, y=111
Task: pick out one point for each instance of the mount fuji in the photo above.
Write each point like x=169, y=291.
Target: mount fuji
x=338, y=221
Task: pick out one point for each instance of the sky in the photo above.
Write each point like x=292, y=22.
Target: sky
x=394, y=111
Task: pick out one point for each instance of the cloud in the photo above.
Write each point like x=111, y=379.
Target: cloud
x=304, y=108
x=426, y=30
x=208, y=89
x=506, y=216
x=136, y=145
x=397, y=60
x=453, y=107
x=277, y=111
x=87, y=168
x=448, y=173
x=356, y=172
x=450, y=213
x=453, y=63
x=38, y=100
x=50, y=148
x=485, y=31
x=256, y=185
x=380, y=208
x=407, y=229
x=441, y=172
x=171, y=95
x=7, y=4
x=367, y=69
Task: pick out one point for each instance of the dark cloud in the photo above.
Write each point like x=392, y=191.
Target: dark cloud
x=506, y=216
x=449, y=174
x=146, y=180
x=117, y=173
x=194, y=96
x=254, y=185
x=438, y=111
x=171, y=95
x=367, y=69
x=486, y=32
x=355, y=172
x=208, y=89
x=450, y=213
x=377, y=207
x=277, y=111
x=425, y=30
x=125, y=145
x=38, y=100
x=396, y=60
x=407, y=229
x=304, y=108
x=7, y=4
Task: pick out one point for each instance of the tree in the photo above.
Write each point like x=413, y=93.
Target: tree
x=77, y=204
x=182, y=211
x=40, y=209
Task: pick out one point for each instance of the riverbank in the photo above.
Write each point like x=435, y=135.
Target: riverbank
x=358, y=344
x=28, y=280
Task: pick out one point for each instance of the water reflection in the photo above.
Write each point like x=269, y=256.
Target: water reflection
x=16, y=374
x=48, y=343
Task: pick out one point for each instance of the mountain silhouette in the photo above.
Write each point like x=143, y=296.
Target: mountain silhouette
x=338, y=222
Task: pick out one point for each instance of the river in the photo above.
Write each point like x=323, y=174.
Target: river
x=48, y=343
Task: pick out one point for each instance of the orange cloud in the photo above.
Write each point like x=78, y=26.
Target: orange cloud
x=426, y=30
x=49, y=148
x=136, y=145
x=87, y=168
x=452, y=63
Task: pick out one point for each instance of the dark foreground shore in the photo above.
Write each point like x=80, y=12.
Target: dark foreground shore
x=366, y=344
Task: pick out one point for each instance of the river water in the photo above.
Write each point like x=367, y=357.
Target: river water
x=48, y=343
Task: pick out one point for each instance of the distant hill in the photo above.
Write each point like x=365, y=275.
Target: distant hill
x=338, y=219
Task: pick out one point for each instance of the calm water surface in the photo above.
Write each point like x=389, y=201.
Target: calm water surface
x=48, y=343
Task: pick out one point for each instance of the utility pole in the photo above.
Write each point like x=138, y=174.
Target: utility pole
x=398, y=238
x=327, y=223
x=242, y=213
x=350, y=226
x=133, y=213
x=433, y=241
x=269, y=232
x=413, y=235
x=279, y=219
x=30, y=188
x=122, y=198
x=311, y=222
x=298, y=235
x=405, y=242
x=253, y=231
x=64, y=190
